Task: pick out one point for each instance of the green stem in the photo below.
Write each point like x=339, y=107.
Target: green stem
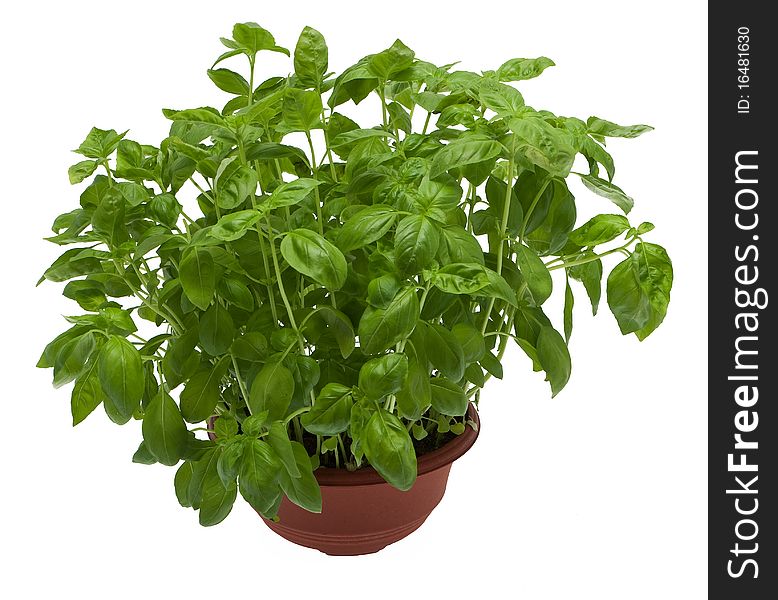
x=319, y=218
x=250, y=99
x=281, y=289
x=582, y=261
x=426, y=123
x=503, y=228
x=241, y=385
x=333, y=174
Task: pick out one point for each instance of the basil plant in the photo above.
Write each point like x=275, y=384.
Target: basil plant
x=338, y=302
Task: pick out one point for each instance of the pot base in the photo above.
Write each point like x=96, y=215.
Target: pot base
x=361, y=519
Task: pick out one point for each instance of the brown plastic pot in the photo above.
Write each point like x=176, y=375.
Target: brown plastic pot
x=361, y=513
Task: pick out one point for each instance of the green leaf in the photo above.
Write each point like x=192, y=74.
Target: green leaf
x=301, y=110
x=436, y=198
x=236, y=293
x=290, y=194
x=382, y=290
x=87, y=393
x=72, y=358
x=229, y=81
x=590, y=274
x=234, y=225
x=416, y=242
x=72, y=263
x=181, y=481
x=626, y=298
x=502, y=99
x=459, y=278
x=120, y=370
x=415, y=397
x=233, y=191
x=389, y=449
x=535, y=273
x=228, y=465
x=272, y=391
x=205, y=115
x=217, y=330
x=554, y=358
x=165, y=209
x=310, y=254
x=278, y=438
x=259, y=470
x=254, y=38
x=251, y=346
x=457, y=245
x=381, y=328
x=100, y=143
x=331, y=411
x=466, y=150
x=164, y=431
x=604, y=188
x=108, y=220
x=382, y=376
x=391, y=61
x=599, y=230
x=491, y=364
x=496, y=191
x=519, y=69
x=198, y=277
x=201, y=393
x=303, y=490
x=217, y=499
x=471, y=341
x=366, y=226
x=341, y=328
x=134, y=193
x=447, y=397
x=544, y=145
x=602, y=127
x=568, y=310
x=311, y=58
x=143, y=456
x=655, y=273
x=442, y=349
x=225, y=427
x=81, y=170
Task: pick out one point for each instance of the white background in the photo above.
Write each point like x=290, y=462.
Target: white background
x=598, y=493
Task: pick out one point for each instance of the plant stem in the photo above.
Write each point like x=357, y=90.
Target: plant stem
x=241, y=385
x=503, y=228
x=582, y=261
x=319, y=218
x=281, y=289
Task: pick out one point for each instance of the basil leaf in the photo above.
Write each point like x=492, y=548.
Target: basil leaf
x=382, y=376
x=198, y=277
x=331, y=411
x=380, y=328
x=447, y=397
x=120, y=370
x=389, y=449
x=310, y=58
x=201, y=393
x=310, y=254
x=164, y=431
x=271, y=390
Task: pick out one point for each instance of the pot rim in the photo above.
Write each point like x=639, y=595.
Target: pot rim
x=431, y=461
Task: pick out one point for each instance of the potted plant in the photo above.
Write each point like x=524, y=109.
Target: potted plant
x=327, y=312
